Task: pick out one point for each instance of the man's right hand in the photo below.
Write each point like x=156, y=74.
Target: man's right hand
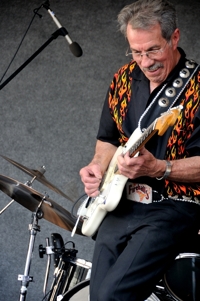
x=91, y=178
x=91, y=175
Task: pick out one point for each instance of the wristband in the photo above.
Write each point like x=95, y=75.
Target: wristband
x=167, y=171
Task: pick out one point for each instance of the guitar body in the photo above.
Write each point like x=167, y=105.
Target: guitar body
x=107, y=200
x=110, y=192
x=93, y=210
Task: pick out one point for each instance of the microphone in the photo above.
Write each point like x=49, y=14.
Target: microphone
x=73, y=46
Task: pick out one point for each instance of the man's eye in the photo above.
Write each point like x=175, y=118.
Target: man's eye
x=153, y=51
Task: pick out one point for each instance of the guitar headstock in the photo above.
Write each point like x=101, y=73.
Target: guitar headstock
x=167, y=119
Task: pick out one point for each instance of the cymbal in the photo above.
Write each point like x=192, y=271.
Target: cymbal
x=30, y=199
x=38, y=176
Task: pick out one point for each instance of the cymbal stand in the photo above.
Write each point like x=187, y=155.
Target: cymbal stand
x=33, y=228
x=8, y=205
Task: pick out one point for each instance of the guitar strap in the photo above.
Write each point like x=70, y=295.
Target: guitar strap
x=168, y=96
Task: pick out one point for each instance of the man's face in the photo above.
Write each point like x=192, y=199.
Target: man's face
x=158, y=65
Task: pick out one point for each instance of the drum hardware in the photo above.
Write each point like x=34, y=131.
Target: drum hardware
x=179, y=283
x=167, y=289
x=41, y=206
x=33, y=229
x=48, y=251
x=60, y=250
x=69, y=270
x=8, y=205
x=183, y=277
x=28, y=183
x=30, y=199
x=57, y=250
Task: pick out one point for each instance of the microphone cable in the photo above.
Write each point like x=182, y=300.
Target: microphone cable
x=20, y=44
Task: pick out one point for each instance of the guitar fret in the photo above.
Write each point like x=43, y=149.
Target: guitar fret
x=143, y=137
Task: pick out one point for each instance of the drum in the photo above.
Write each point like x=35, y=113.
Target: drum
x=78, y=293
x=67, y=275
x=69, y=270
x=81, y=293
x=182, y=279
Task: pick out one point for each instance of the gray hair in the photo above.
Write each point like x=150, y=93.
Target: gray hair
x=144, y=14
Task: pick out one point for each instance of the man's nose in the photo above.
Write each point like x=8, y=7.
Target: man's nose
x=145, y=61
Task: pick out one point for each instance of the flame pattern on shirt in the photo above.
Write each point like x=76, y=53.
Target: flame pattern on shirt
x=181, y=132
x=120, y=96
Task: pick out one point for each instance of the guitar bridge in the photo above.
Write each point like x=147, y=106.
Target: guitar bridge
x=101, y=199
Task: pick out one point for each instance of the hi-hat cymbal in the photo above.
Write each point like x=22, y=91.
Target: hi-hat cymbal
x=38, y=176
x=30, y=199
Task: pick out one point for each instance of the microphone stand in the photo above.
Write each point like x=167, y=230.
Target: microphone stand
x=60, y=32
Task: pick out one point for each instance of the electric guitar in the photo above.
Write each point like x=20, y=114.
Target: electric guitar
x=93, y=210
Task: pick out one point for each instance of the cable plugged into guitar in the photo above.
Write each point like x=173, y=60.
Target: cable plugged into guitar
x=81, y=213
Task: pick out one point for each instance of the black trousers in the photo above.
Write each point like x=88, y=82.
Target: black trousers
x=135, y=244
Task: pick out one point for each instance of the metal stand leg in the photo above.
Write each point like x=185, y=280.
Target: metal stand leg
x=49, y=252
x=25, y=279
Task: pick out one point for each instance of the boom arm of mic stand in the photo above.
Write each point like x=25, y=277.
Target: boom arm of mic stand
x=54, y=36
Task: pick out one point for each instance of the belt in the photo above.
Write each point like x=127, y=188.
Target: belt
x=156, y=196
x=142, y=193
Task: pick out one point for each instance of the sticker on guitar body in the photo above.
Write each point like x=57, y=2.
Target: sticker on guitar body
x=141, y=193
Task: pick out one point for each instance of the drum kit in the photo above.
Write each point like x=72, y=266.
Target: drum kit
x=71, y=277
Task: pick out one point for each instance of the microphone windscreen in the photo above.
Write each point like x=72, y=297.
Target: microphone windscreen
x=75, y=49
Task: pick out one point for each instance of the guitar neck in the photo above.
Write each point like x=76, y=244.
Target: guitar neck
x=159, y=126
x=144, y=138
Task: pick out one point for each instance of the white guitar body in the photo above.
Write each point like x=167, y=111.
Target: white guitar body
x=93, y=210
x=110, y=192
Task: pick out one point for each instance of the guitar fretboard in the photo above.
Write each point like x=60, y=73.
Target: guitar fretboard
x=145, y=136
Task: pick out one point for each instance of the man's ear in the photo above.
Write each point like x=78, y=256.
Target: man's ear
x=175, y=38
